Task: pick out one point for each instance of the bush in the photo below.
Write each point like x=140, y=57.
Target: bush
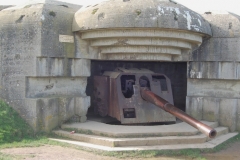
x=12, y=126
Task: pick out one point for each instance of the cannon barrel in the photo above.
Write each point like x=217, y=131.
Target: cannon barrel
x=165, y=105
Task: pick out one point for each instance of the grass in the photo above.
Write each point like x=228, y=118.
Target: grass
x=12, y=126
x=5, y=157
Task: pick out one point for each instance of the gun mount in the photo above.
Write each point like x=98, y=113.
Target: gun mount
x=131, y=96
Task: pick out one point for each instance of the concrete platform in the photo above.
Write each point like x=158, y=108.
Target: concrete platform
x=98, y=128
x=107, y=137
x=210, y=144
x=143, y=141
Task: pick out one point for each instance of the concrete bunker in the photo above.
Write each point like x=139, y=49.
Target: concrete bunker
x=47, y=72
x=150, y=36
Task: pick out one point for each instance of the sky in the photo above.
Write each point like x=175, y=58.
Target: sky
x=196, y=5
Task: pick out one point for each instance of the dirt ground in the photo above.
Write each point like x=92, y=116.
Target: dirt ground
x=63, y=153
x=231, y=153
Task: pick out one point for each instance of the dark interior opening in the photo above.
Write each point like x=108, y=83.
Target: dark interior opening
x=127, y=82
x=144, y=82
x=175, y=71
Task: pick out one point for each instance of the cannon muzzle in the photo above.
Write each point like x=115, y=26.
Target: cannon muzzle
x=165, y=105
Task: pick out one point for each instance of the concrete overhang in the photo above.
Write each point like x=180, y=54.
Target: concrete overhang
x=140, y=14
x=121, y=28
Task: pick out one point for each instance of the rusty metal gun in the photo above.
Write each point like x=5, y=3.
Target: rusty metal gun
x=165, y=105
x=125, y=95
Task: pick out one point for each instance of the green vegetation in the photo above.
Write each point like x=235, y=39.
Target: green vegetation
x=5, y=157
x=51, y=13
x=12, y=126
x=95, y=10
x=138, y=11
x=37, y=142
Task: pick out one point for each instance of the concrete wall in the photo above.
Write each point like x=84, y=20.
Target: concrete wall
x=41, y=77
x=214, y=73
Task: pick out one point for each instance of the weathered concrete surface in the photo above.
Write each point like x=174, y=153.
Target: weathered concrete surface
x=224, y=44
x=213, y=88
x=215, y=109
x=57, y=19
x=42, y=78
x=136, y=44
x=211, y=109
x=45, y=66
x=224, y=24
x=62, y=67
x=48, y=114
x=218, y=49
x=20, y=34
x=218, y=100
x=138, y=30
x=46, y=87
x=139, y=14
x=117, y=137
x=214, y=72
x=140, y=141
x=228, y=113
x=125, y=142
x=210, y=144
x=81, y=107
x=98, y=128
x=194, y=107
x=238, y=115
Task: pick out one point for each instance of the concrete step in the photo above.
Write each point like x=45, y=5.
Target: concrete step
x=210, y=144
x=91, y=139
x=146, y=141
x=123, y=131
